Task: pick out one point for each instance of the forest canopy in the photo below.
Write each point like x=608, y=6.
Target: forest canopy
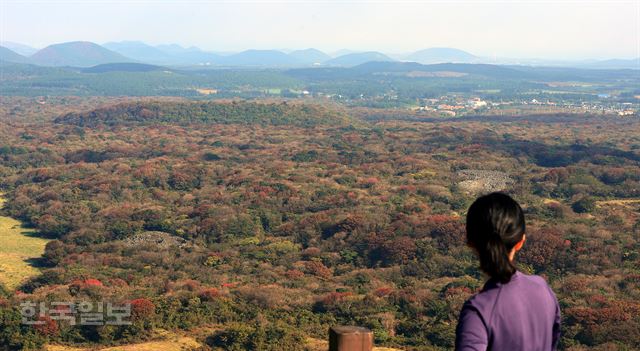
x=261, y=224
x=242, y=112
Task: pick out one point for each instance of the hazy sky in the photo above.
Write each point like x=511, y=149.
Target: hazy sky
x=543, y=29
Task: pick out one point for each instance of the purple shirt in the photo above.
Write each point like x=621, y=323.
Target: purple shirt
x=522, y=314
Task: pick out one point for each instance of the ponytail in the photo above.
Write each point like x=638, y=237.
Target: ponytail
x=496, y=262
x=495, y=224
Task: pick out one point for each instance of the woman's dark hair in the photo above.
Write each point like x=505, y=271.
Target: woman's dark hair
x=495, y=224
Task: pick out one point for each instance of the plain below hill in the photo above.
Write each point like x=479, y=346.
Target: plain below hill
x=379, y=69
x=188, y=112
x=77, y=54
x=615, y=64
x=415, y=70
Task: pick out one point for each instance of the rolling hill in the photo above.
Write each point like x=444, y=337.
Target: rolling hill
x=441, y=55
x=78, y=54
x=7, y=55
x=208, y=112
x=310, y=56
x=358, y=58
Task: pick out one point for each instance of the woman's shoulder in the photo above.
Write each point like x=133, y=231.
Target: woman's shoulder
x=491, y=291
x=533, y=286
x=485, y=298
x=532, y=279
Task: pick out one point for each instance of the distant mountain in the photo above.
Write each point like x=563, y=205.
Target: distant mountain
x=7, y=55
x=342, y=52
x=260, y=58
x=21, y=49
x=189, y=56
x=124, y=67
x=358, y=58
x=310, y=56
x=441, y=55
x=140, y=51
x=78, y=54
x=175, y=49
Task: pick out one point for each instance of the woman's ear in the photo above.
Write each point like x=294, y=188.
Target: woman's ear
x=518, y=246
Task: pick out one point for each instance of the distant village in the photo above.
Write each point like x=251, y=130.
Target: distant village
x=457, y=105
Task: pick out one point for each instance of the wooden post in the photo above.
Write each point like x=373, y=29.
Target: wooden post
x=349, y=338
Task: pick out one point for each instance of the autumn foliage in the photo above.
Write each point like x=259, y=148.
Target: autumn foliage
x=277, y=221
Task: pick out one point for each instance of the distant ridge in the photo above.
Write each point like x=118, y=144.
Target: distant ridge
x=175, y=49
x=171, y=54
x=190, y=56
x=87, y=54
x=358, y=58
x=77, y=54
x=7, y=55
x=139, y=51
x=441, y=55
x=24, y=50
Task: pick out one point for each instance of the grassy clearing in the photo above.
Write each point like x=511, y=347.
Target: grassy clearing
x=168, y=341
x=620, y=202
x=17, y=247
x=629, y=209
x=548, y=201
